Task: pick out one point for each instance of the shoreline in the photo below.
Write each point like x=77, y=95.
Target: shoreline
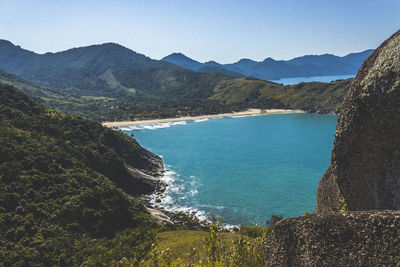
x=249, y=112
x=187, y=218
x=162, y=216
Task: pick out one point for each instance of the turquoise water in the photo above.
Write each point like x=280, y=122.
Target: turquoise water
x=244, y=169
x=325, y=79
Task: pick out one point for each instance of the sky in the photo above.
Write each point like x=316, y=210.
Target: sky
x=220, y=30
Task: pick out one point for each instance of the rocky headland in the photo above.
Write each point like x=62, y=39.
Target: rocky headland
x=357, y=220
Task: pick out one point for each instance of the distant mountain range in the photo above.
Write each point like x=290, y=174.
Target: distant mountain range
x=270, y=69
x=111, y=82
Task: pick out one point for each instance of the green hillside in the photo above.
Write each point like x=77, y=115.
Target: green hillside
x=109, y=82
x=312, y=96
x=64, y=188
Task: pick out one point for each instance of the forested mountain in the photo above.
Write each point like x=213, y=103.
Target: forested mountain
x=108, y=69
x=64, y=188
x=270, y=69
x=312, y=96
x=109, y=82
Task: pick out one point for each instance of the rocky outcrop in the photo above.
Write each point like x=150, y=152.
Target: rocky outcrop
x=364, y=176
x=155, y=183
x=365, y=165
x=363, y=238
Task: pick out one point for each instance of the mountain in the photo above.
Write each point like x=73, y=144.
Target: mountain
x=89, y=67
x=183, y=61
x=114, y=78
x=190, y=64
x=218, y=69
x=270, y=69
x=313, y=96
x=109, y=82
x=321, y=61
x=66, y=193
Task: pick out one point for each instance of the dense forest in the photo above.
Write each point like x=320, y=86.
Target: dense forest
x=66, y=195
x=109, y=82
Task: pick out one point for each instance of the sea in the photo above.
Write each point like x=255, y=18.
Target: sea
x=243, y=169
x=325, y=79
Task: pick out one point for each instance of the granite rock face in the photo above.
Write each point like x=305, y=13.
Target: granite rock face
x=364, y=174
x=365, y=165
x=360, y=238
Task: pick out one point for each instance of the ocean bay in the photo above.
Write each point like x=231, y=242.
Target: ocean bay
x=244, y=169
x=324, y=79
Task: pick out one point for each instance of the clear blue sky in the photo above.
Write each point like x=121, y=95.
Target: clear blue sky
x=221, y=30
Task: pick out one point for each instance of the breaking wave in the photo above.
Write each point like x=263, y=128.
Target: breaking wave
x=177, y=195
x=201, y=120
x=153, y=126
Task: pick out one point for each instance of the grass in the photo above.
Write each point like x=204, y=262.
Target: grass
x=215, y=247
x=182, y=241
x=190, y=248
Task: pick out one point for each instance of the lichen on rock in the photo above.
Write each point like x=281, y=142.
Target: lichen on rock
x=365, y=165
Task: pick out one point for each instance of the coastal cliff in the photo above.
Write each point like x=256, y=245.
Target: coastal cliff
x=68, y=187
x=357, y=220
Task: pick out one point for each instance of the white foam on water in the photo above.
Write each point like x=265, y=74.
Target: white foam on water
x=212, y=207
x=201, y=120
x=168, y=177
x=241, y=116
x=193, y=192
x=152, y=126
x=179, y=189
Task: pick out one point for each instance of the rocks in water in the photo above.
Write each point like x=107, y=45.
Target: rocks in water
x=363, y=238
x=365, y=165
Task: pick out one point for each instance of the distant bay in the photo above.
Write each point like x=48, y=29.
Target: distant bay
x=244, y=169
x=325, y=79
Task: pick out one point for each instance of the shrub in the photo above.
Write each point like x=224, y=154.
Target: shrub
x=253, y=231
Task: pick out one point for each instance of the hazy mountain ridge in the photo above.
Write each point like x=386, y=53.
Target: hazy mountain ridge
x=270, y=69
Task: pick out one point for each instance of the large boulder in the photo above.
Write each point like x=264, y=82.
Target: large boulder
x=359, y=238
x=364, y=176
x=365, y=165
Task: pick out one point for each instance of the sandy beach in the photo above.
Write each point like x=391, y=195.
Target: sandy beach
x=249, y=112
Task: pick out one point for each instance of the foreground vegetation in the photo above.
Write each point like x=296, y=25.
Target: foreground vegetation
x=61, y=189
x=215, y=247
